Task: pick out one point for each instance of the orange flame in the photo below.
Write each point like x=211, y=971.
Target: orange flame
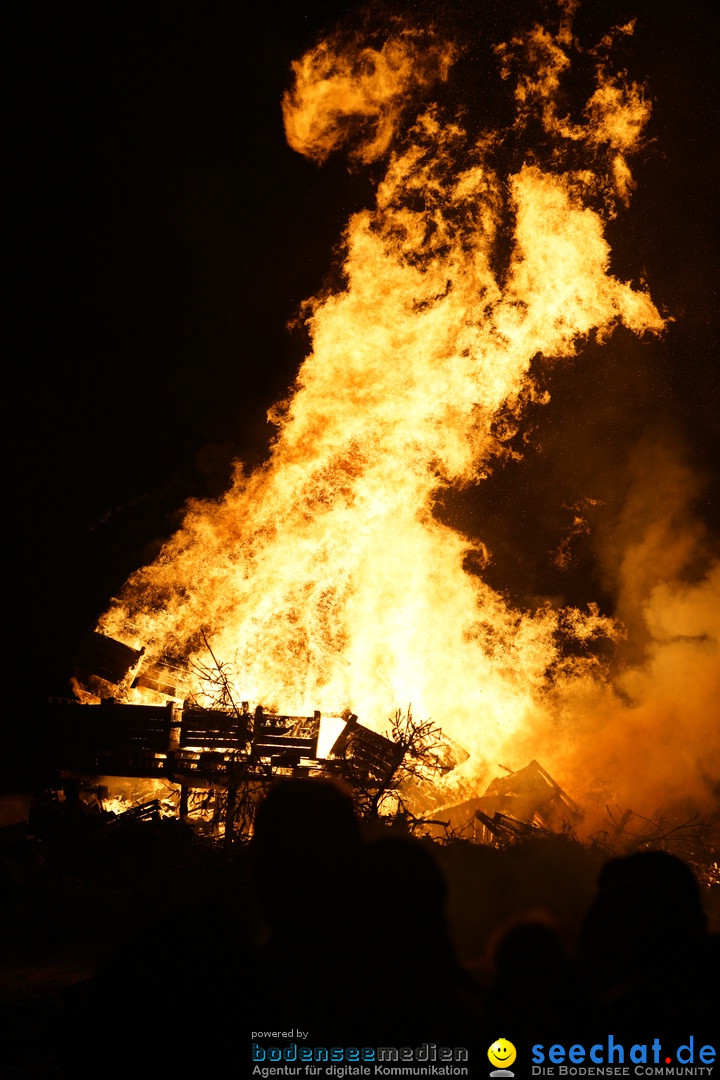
x=323, y=577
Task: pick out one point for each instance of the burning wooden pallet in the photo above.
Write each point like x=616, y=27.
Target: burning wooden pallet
x=525, y=801
x=110, y=739
x=203, y=745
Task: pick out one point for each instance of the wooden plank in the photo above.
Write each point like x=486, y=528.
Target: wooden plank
x=213, y=729
x=105, y=657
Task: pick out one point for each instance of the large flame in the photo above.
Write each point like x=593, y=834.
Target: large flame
x=323, y=579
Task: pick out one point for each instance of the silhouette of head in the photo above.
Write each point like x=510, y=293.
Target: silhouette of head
x=305, y=845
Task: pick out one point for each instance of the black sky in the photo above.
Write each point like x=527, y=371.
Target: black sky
x=164, y=235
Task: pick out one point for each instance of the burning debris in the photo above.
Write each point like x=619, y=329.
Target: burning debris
x=231, y=757
x=229, y=747
x=529, y=796
x=524, y=802
x=223, y=759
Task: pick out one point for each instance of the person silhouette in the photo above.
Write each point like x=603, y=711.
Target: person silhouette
x=647, y=957
x=305, y=856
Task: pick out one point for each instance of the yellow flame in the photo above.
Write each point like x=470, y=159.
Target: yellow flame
x=340, y=93
x=323, y=577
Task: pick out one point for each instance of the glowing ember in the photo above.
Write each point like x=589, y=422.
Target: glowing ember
x=322, y=579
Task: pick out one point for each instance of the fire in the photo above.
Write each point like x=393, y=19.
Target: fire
x=323, y=579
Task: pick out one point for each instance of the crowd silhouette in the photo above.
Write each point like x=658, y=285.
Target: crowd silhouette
x=350, y=941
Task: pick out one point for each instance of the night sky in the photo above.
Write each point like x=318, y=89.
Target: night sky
x=164, y=235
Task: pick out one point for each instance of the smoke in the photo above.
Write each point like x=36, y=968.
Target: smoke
x=649, y=736
x=649, y=740
x=657, y=537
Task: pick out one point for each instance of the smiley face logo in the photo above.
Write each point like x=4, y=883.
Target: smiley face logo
x=502, y=1053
